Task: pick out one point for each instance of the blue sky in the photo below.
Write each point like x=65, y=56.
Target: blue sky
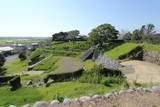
x=45, y=17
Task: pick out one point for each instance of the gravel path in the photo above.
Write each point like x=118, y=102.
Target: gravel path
x=68, y=64
x=145, y=72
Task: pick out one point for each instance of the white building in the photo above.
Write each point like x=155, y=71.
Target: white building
x=6, y=49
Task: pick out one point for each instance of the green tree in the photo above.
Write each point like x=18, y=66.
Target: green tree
x=102, y=34
x=2, y=60
x=127, y=36
x=22, y=56
x=136, y=35
x=144, y=32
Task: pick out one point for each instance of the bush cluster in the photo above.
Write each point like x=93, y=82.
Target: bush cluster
x=15, y=83
x=100, y=75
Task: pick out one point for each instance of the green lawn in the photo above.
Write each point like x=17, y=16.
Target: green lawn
x=151, y=47
x=127, y=47
x=48, y=65
x=16, y=66
x=27, y=95
x=121, y=50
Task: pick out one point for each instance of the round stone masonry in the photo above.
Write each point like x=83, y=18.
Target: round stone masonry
x=54, y=102
x=41, y=104
x=84, y=98
x=67, y=100
x=27, y=105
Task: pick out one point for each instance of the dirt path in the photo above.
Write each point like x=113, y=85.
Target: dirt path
x=145, y=72
x=138, y=99
x=28, y=72
x=68, y=64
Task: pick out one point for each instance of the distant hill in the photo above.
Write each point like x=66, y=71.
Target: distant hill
x=23, y=38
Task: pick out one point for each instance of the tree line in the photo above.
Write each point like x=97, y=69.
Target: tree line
x=106, y=32
x=67, y=36
x=146, y=33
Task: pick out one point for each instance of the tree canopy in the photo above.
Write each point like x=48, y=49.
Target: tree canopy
x=103, y=33
x=63, y=36
x=2, y=60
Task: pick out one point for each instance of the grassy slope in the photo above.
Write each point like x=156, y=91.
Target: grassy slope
x=48, y=65
x=16, y=66
x=151, y=47
x=26, y=95
x=126, y=47
x=66, y=49
x=120, y=50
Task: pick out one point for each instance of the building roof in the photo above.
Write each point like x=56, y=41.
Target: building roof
x=6, y=48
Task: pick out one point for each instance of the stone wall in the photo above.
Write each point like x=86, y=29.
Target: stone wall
x=101, y=58
x=151, y=56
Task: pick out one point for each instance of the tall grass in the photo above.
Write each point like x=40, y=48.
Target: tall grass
x=100, y=75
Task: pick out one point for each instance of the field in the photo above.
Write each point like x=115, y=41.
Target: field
x=26, y=95
x=66, y=49
x=65, y=59
x=47, y=66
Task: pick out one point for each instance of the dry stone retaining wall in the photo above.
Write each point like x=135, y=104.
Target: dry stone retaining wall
x=151, y=56
x=89, y=98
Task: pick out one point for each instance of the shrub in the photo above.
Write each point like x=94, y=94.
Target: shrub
x=15, y=83
x=2, y=60
x=125, y=84
x=5, y=79
x=22, y=56
x=99, y=74
x=59, y=97
x=92, y=76
x=110, y=80
x=111, y=72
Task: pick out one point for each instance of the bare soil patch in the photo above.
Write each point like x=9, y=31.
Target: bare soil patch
x=68, y=64
x=145, y=72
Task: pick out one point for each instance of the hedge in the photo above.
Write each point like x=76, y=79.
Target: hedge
x=15, y=82
x=60, y=77
x=5, y=79
x=111, y=72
